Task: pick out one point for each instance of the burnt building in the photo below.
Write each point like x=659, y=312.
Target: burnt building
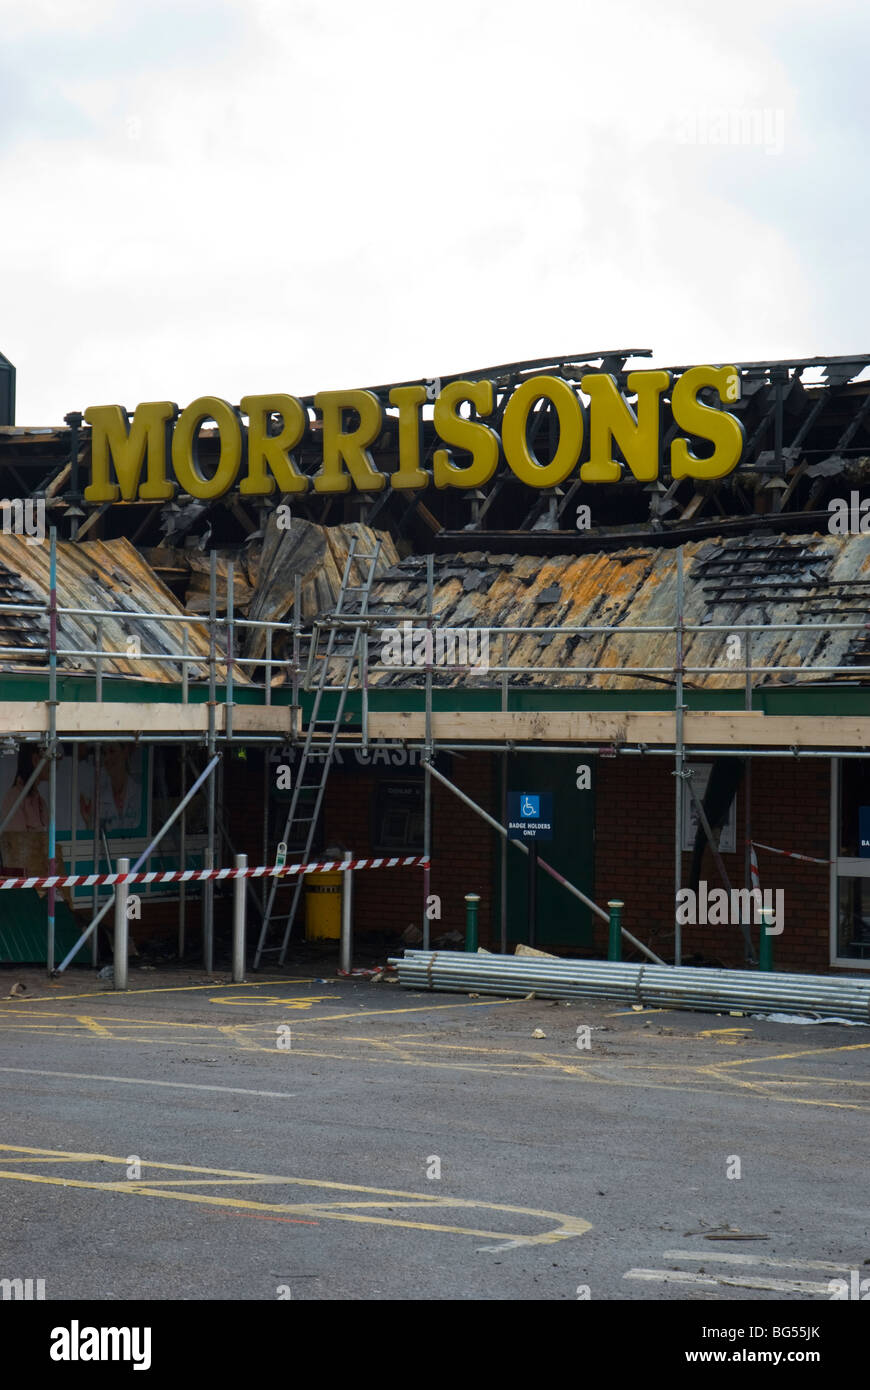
x=369, y=619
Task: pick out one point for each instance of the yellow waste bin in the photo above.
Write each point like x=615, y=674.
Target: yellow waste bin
x=323, y=907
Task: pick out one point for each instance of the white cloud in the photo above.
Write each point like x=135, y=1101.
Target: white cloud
x=301, y=196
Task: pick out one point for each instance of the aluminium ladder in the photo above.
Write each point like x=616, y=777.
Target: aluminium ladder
x=321, y=736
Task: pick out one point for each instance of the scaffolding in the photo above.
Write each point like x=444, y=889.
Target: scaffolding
x=221, y=722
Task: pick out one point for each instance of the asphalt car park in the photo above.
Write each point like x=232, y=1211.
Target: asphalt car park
x=306, y=1136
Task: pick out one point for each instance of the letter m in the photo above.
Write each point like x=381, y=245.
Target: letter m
x=11, y=1288
x=115, y=1343
x=128, y=445
x=746, y=905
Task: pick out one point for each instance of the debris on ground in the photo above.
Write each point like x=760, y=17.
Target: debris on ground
x=725, y=1232
x=17, y=990
x=805, y=1018
x=539, y=1033
x=522, y=950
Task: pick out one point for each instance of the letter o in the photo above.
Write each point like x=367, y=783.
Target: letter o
x=516, y=414
x=185, y=450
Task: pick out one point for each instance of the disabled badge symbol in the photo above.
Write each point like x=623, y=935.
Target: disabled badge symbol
x=530, y=806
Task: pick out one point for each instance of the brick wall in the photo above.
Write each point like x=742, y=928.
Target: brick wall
x=634, y=857
x=389, y=900
x=634, y=852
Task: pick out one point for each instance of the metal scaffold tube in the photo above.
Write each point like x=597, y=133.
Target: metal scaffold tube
x=52, y=747
x=146, y=853
x=427, y=777
x=679, y=756
x=542, y=864
x=653, y=986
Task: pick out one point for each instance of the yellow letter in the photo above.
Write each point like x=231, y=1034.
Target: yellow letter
x=723, y=430
x=409, y=474
x=127, y=447
x=515, y=438
x=612, y=418
x=272, y=451
x=185, y=449
x=350, y=447
x=481, y=442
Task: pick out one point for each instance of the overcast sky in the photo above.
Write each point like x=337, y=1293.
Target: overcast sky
x=293, y=195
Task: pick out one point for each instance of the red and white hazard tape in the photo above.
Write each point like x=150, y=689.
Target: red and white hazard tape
x=199, y=875
x=786, y=853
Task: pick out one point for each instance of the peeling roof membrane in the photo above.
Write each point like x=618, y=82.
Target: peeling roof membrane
x=732, y=581
x=93, y=575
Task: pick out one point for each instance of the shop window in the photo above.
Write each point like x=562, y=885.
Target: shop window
x=854, y=818
x=398, y=826
x=728, y=834
x=851, y=850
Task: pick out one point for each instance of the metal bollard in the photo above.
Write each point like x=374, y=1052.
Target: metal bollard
x=239, y=903
x=765, y=943
x=121, y=929
x=614, y=935
x=345, y=952
x=471, y=901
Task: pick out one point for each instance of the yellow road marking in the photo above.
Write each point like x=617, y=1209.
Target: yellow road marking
x=516, y=1062
x=567, y=1226
x=725, y=1035
x=807, y=1052
x=272, y=1001
x=158, y=989
x=326, y=1018
x=92, y=1025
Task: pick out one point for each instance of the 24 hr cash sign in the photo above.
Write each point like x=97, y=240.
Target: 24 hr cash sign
x=159, y=435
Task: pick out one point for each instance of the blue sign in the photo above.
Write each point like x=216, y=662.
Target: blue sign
x=530, y=816
x=864, y=832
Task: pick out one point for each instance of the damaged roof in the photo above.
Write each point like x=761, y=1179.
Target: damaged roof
x=735, y=581
x=93, y=575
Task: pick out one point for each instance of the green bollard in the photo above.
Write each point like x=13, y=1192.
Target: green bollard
x=614, y=937
x=765, y=945
x=471, y=901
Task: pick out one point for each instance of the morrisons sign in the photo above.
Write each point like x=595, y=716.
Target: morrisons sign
x=141, y=459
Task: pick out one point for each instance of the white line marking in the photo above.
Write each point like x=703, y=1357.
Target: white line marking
x=673, y=1276
x=825, y=1266
x=146, y=1081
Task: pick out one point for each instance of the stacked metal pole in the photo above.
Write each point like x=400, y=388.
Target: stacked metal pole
x=659, y=986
